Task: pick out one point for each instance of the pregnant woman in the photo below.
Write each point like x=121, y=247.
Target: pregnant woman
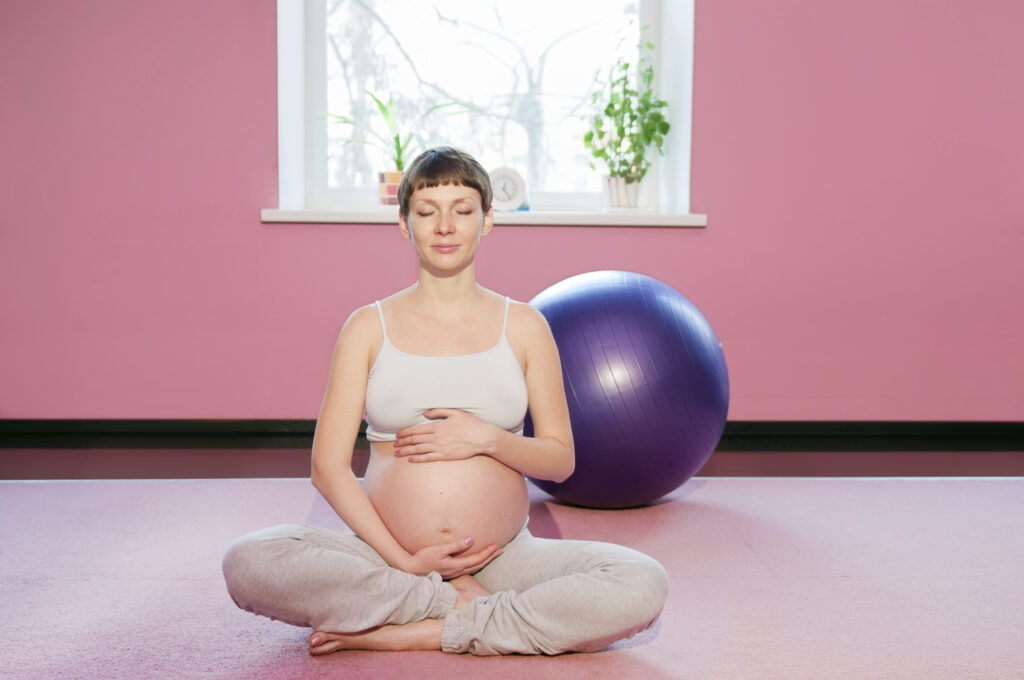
x=441, y=558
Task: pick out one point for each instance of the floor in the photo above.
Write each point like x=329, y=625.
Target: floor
x=260, y=462
x=770, y=578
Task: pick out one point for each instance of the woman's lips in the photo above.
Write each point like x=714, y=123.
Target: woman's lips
x=446, y=248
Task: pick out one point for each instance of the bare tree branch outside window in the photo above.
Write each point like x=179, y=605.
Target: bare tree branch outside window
x=520, y=72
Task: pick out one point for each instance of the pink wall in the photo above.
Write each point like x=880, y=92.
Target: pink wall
x=861, y=164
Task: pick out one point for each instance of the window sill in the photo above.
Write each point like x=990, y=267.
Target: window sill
x=625, y=217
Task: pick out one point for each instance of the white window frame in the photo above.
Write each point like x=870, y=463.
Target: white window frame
x=668, y=179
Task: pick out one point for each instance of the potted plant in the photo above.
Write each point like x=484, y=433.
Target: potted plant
x=397, y=144
x=628, y=121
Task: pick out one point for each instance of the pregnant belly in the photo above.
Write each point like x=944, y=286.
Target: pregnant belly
x=430, y=503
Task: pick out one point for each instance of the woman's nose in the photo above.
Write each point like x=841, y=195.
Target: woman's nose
x=445, y=225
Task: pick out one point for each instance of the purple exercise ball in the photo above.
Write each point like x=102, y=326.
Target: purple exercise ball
x=646, y=383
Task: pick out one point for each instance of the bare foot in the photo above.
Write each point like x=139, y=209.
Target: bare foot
x=467, y=589
x=425, y=634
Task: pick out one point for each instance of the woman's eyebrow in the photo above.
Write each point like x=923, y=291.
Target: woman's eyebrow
x=430, y=201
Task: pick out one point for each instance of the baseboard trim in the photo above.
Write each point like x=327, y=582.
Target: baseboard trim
x=157, y=434
x=739, y=436
x=134, y=449
x=852, y=436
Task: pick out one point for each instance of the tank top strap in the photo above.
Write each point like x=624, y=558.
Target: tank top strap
x=504, y=323
x=383, y=328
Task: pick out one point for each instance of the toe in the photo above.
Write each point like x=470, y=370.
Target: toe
x=325, y=647
x=325, y=643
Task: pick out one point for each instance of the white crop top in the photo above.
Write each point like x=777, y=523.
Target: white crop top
x=401, y=386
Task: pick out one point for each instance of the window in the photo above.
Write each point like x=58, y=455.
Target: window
x=508, y=81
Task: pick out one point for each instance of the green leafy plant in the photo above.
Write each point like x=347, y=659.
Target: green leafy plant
x=628, y=120
x=398, y=144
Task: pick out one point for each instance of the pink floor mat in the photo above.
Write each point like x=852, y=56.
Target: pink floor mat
x=770, y=578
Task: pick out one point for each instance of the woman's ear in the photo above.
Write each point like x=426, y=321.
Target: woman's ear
x=403, y=225
x=488, y=222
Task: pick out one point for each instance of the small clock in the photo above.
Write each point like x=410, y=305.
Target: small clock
x=509, y=189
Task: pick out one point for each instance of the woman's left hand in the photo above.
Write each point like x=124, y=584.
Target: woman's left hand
x=454, y=435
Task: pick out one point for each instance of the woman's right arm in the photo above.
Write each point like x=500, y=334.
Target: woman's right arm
x=337, y=427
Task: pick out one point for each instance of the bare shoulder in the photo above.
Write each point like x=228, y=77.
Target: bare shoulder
x=527, y=327
x=527, y=318
x=363, y=322
x=361, y=333
x=535, y=347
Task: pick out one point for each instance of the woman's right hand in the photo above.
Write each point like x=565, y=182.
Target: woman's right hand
x=449, y=561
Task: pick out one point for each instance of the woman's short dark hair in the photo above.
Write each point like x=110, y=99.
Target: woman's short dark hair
x=444, y=165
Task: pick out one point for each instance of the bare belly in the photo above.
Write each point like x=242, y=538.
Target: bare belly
x=431, y=503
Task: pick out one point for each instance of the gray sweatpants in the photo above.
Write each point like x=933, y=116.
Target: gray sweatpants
x=548, y=596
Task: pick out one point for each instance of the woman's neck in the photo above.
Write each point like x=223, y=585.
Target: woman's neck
x=452, y=289
x=440, y=292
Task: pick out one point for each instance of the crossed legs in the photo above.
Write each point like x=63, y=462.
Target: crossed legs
x=540, y=596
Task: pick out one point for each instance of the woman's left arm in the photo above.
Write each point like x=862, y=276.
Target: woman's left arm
x=548, y=454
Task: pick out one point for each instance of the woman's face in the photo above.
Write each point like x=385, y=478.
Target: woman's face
x=445, y=224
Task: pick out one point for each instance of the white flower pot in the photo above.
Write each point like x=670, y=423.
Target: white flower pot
x=619, y=193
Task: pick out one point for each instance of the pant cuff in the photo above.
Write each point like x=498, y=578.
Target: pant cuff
x=444, y=602
x=463, y=629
